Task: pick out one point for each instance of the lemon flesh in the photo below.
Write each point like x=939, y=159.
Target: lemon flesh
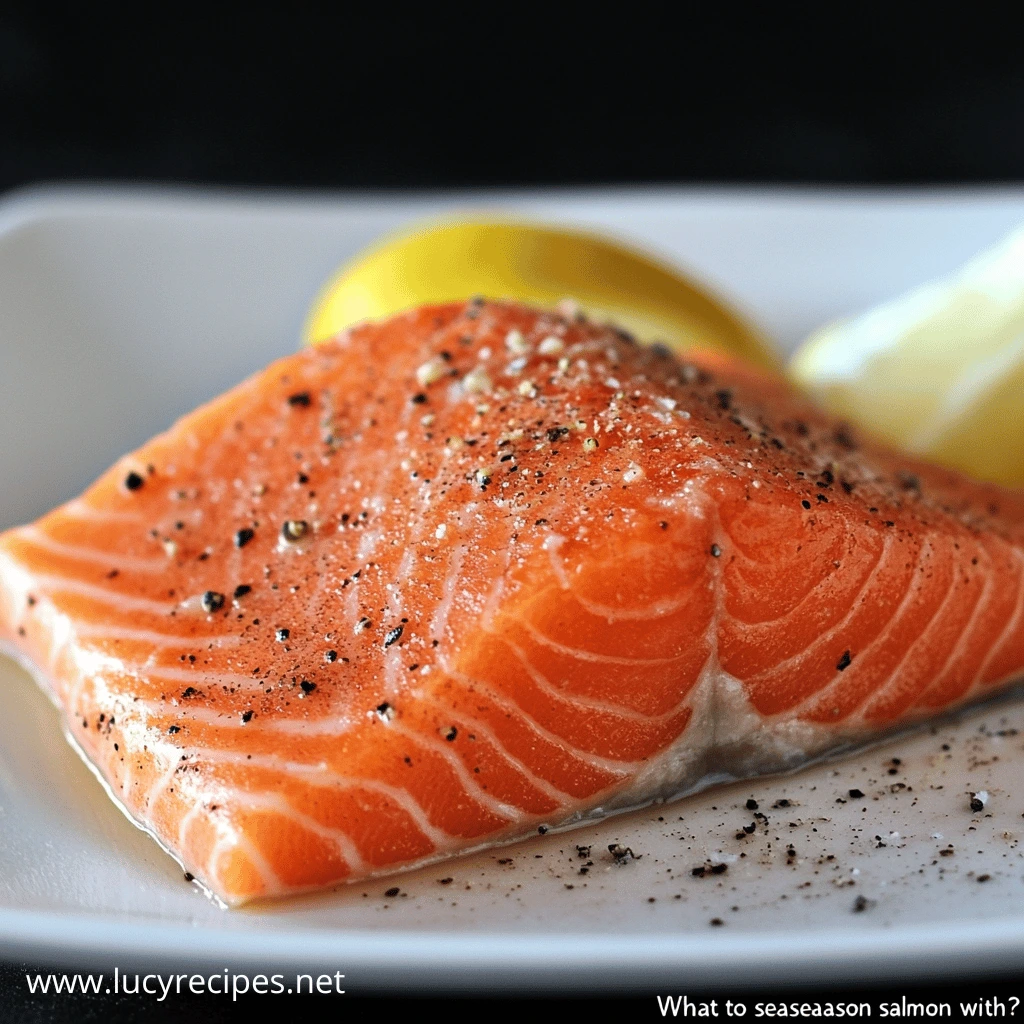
x=939, y=371
x=539, y=265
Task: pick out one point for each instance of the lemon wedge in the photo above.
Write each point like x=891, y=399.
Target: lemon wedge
x=939, y=371
x=537, y=264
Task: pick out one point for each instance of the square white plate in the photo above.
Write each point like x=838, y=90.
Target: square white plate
x=120, y=310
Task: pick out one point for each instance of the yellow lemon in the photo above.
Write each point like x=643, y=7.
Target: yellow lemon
x=537, y=264
x=938, y=372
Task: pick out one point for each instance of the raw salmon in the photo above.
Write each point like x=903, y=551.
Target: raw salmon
x=479, y=570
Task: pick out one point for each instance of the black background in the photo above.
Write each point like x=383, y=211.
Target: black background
x=498, y=96
x=387, y=99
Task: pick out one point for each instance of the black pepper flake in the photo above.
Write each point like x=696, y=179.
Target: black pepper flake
x=212, y=601
x=451, y=734
x=844, y=662
x=392, y=892
x=717, y=922
x=860, y=904
x=856, y=794
x=805, y=503
x=751, y=804
x=189, y=877
x=282, y=634
x=300, y=399
x=243, y=536
x=241, y=590
x=393, y=636
x=30, y=600
x=621, y=853
x=716, y=551
x=246, y=717
x=542, y=829
x=331, y=656
x=419, y=398
x=133, y=481
x=977, y=804
x=189, y=691
x=306, y=686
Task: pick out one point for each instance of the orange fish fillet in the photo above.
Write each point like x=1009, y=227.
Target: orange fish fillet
x=480, y=569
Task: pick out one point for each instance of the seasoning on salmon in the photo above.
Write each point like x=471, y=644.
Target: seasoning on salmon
x=690, y=572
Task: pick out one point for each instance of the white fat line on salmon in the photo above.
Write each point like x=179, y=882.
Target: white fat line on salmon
x=551, y=543
x=93, y=631
x=35, y=537
x=827, y=638
x=79, y=508
x=813, y=598
x=592, y=656
x=656, y=609
x=196, y=811
x=471, y=785
x=1012, y=623
x=480, y=728
x=576, y=700
x=334, y=726
x=52, y=586
x=316, y=597
x=229, y=842
x=394, y=663
x=244, y=500
x=364, y=549
x=120, y=803
x=836, y=681
x=960, y=647
x=916, y=588
x=160, y=784
x=924, y=641
x=323, y=776
x=194, y=676
x=615, y=768
x=277, y=804
x=439, y=620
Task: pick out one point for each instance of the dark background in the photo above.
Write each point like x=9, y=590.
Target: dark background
x=385, y=99
x=500, y=96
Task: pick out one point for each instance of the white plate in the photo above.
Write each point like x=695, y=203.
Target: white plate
x=120, y=310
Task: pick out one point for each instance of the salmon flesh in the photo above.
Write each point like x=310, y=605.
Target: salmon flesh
x=481, y=569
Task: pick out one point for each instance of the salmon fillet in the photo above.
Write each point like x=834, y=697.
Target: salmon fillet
x=478, y=570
